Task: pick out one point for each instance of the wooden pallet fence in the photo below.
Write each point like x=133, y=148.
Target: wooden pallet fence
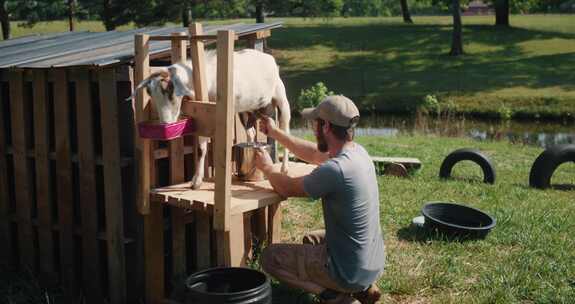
x=64, y=167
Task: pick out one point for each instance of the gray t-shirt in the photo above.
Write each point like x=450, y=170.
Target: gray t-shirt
x=348, y=187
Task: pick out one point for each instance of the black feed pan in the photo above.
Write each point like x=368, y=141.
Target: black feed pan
x=457, y=220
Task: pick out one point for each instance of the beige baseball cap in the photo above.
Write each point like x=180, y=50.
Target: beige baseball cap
x=337, y=109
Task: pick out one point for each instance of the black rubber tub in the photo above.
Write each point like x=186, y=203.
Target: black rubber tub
x=457, y=220
x=228, y=285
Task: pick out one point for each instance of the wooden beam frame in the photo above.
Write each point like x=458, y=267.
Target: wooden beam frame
x=223, y=146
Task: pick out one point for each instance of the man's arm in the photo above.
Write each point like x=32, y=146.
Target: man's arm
x=302, y=148
x=284, y=185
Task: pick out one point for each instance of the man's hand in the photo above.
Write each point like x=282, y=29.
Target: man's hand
x=263, y=160
x=268, y=126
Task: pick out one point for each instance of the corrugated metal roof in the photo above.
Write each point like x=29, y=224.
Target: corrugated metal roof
x=96, y=48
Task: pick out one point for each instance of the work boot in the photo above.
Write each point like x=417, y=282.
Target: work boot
x=329, y=296
x=369, y=296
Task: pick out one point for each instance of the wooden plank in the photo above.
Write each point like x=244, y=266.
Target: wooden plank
x=260, y=223
x=153, y=215
x=91, y=263
x=161, y=153
x=237, y=241
x=7, y=256
x=154, y=252
x=142, y=108
x=248, y=238
x=203, y=240
x=203, y=115
x=177, y=176
x=274, y=223
x=258, y=35
x=64, y=183
x=21, y=172
x=223, y=148
x=203, y=226
x=198, y=62
x=43, y=190
x=112, y=186
x=224, y=133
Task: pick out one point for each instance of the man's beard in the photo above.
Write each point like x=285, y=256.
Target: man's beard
x=321, y=143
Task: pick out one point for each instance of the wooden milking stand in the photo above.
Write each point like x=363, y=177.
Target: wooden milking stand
x=221, y=209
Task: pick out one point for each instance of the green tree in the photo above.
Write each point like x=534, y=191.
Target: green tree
x=457, y=33
x=405, y=11
x=501, y=12
x=4, y=19
x=71, y=14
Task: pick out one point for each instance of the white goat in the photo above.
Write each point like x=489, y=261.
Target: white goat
x=257, y=89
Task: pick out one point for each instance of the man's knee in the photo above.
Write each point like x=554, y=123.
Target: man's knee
x=267, y=260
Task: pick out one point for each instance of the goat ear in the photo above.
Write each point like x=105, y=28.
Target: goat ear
x=180, y=88
x=141, y=85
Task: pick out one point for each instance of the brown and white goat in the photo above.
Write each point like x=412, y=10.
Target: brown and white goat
x=257, y=89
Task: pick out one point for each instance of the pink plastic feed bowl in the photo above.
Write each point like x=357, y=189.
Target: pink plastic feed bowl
x=165, y=131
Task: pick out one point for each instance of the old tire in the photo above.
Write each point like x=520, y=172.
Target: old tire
x=472, y=155
x=547, y=162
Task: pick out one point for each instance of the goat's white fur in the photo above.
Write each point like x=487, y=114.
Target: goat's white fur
x=256, y=85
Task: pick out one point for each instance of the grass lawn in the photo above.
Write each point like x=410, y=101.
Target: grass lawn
x=528, y=258
x=385, y=64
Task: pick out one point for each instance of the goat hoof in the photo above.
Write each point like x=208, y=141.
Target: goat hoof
x=196, y=186
x=196, y=183
x=284, y=169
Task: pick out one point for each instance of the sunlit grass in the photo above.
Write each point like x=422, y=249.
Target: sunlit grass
x=385, y=64
x=528, y=258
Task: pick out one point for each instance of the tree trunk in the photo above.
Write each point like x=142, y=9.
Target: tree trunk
x=405, y=11
x=71, y=14
x=187, y=13
x=4, y=20
x=107, y=16
x=259, y=11
x=502, y=12
x=456, y=40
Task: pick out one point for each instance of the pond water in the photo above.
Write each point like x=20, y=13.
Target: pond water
x=538, y=133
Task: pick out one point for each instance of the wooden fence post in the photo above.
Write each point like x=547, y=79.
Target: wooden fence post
x=112, y=186
x=223, y=146
x=91, y=268
x=202, y=220
x=176, y=177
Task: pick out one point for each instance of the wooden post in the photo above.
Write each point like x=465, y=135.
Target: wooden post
x=112, y=186
x=21, y=172
x=141, y=71
x=199, y=75
x=223, y=145
x=153, y=215
x=274, y=223
x=43, y=191
x=91, y=271
x=6, y=256
x=176, y=177
x=202, y=220
x=64, y=180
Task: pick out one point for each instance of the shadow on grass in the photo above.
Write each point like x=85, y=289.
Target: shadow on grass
x=560, y=187
x=422, y=235
x=393, y=65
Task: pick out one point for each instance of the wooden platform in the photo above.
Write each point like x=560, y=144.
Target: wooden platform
x=246, y=196
x=408, y=163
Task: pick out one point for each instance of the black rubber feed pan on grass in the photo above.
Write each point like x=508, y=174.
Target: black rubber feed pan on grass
x=457, y=220
x=228, y=285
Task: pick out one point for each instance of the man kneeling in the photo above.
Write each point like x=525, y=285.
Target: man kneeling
x=345, y=260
